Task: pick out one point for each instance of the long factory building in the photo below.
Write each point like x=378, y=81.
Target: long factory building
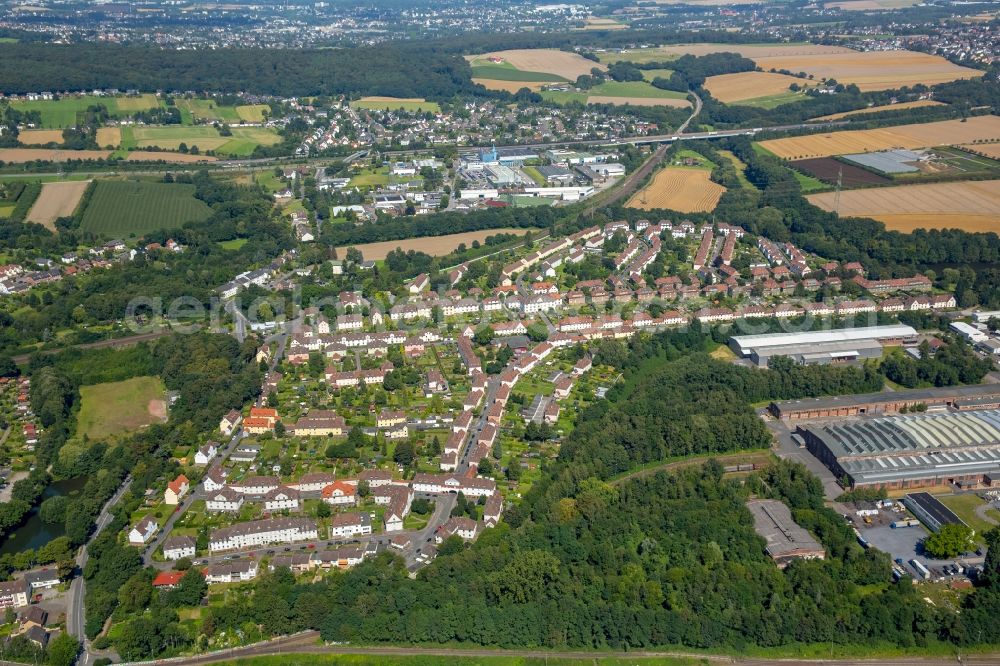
x=910, y=450
x=839, y=345
x=977, y=396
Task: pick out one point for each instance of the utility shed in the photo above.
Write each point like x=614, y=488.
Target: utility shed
x=786, y=539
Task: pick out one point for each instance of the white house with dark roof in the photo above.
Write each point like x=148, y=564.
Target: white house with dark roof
x=176, y=547
x=143, y=531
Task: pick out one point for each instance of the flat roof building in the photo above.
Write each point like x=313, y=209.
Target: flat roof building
x=838, y=345
x=976, y=396
x=786, y=539
x=910, y=451
x=930, y=511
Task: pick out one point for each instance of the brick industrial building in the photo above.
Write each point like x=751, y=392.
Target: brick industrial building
x=981, y=396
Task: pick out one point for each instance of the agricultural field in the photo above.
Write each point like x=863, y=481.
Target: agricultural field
x=568, y=66
x=745, y=87
x=117, y=407
x=594, y=23
x=680, y=189
x=504, y=71
x=63, y=112
x=391, y=103
x=991, y=150
x=869, y=5
x=56, y=200
x=131, y=208
x=926, y=135
x=872, y=70
x=18, y=155
x=433, y=245
x=636, y=93
x=157, y=156
x=971, y=205
x=39, y=137
x=651, y=74
x=828, y=170
x=109, y=137
x=753, y=51
x=169, y=137
x=208, y=110
x=902, y=106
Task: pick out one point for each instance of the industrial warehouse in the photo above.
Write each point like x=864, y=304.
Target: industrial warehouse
x=786, y=539
x=822, y=347
x=910, y=451
x=978, y=396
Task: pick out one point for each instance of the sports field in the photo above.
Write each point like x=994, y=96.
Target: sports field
x=680, y=189
x=745, y=87
x=880, y=109
x=63, y=111
x=972, y=205
x=130, y=208
x=924, y=135
x=56, y=200
x=433, y=245
x=39, y=137
x=394, y=103
x=117, y=407
x=169, y=137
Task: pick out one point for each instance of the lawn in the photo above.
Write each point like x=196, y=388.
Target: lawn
x=964, y=507
x=233, y=244
x=371, y=177
x=772, y=101
x=132, y=208
x=116, y=407
x=650, y=74
x=6, y=209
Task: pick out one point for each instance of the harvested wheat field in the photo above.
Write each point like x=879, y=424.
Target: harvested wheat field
x=683, y=190
x=56, y=200
x=752, y=51
x=32, y=154
x=872, y=70
x=109, y=136
x=509, y=86
x=972, y=205
x=749, y=85
x=639, y=101
x=551, y=61
x=925, y=135
x=879, y=109
x=164, y=156
x=869, y=5
x=433, y=245
x=39, y=137
x=991, y=150
x=592, y=23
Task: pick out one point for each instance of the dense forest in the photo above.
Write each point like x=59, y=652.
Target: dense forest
x=588, y=561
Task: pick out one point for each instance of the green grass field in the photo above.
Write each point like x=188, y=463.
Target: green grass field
x=634, y=89
x=808, y=183
x=233, y=244
x=130, y=209
x=6, y=209
x=650, y=74
x=207, y=109
x=507, y=72
x=964, y=507
x=371, y=178
x=563, y=96
x=116, y=407
x=773, y=101
x=62, y=112
x=388, y=104
x=243, y=142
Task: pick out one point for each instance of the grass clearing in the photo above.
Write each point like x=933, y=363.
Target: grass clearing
x=207, y=110
x=117, y=407
x=130, y=208
x=233, y=244
x=965, y=507
x=394, y=103
x=650, y=74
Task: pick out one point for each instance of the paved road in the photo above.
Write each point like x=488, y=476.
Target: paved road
x=75, y=618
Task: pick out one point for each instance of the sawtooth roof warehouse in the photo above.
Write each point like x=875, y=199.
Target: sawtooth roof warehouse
x=910, y=451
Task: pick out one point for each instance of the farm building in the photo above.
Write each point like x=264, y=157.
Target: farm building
x=980, y=396
x=910, y=451
x=839, y=345
x=786, y=540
